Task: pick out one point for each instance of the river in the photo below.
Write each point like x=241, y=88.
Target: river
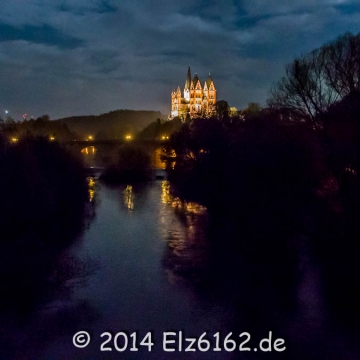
x=139, y=238
x=154, y=269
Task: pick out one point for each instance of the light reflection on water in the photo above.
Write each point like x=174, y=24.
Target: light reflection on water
x=129, y=198
x=91, y=188
x=89, y=155
x=144, y=247
x=89, y=150
x=187, y=207
x=186, y=257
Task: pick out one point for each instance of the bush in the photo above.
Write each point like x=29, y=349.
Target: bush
x=42, y=186
x=130, y=164
x=43, y=203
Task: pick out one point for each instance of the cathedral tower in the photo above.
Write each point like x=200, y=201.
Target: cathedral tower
x=197, y=100
x=187, y=85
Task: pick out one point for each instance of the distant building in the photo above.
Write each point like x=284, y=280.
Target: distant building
x=196, y=100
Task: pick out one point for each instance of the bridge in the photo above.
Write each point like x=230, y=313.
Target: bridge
x=116, y=142
x=99, y=152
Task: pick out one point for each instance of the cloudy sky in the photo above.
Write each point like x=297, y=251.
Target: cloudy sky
x=82, y=57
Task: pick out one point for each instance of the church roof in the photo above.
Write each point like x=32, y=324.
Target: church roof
x=195, y=80
x=208, y=81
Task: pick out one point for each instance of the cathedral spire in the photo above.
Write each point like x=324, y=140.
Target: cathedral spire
x=188, y=79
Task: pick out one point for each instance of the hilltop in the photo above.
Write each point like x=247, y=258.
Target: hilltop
x=112, y=125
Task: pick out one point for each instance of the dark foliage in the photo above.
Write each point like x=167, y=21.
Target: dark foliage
x=238, y=165
x=43, y=208
x=40, y=183
x=42, y=126
x=130, y=164
x=316, y=80
x=160, y=129
x=277, y=192
x=258, y=180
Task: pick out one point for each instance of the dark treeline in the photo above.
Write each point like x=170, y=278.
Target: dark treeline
x=115, y=125
x=42, y=126
x=43, y=208
x=160, y=129
x=282, y=183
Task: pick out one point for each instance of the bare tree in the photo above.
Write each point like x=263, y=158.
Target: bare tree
x=342, y=67
x=316, y=80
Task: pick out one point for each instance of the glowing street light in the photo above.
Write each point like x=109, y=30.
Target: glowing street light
x=14, y=139
x=90, y=137
x=52, y=138
x=128, y=137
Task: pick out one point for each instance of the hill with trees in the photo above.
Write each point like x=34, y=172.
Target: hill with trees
x=112, y=125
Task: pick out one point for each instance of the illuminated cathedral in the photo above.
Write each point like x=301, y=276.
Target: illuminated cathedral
x=196, y=100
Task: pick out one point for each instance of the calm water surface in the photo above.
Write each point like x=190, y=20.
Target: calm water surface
x=141, y=239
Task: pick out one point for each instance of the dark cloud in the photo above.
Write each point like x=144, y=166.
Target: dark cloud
x=91, y=56
x=83, y=8
x=43, y=34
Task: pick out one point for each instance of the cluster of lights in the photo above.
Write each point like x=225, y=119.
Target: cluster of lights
x=128, y=137
x=14, y=139
x=165, y=137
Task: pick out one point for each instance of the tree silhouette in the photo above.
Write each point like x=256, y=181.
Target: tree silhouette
x=222, y=110
x=316, y=80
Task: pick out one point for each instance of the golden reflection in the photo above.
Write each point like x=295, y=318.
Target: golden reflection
x=166, y=198
x=172, y=154
x=187, y=207
x=129, y=197
x=88, y=150
x=184, y=237
x=158, y=161
x=185, y=232
x=194, y=208
x=91, y=187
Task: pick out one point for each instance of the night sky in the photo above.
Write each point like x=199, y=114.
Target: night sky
x=85, y=57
